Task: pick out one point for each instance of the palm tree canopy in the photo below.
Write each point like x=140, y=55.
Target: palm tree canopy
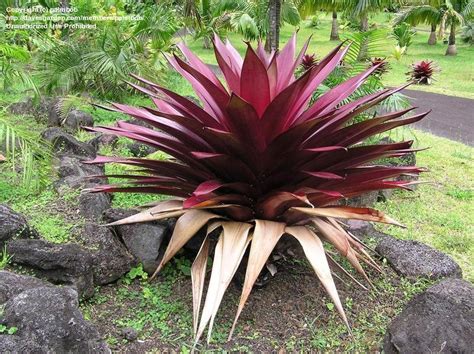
x=420, y=14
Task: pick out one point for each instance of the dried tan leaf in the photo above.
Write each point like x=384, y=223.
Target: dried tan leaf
x=332, y=235
x=229, y=251
x=198, y=276
x=2, y=158
x=338, y=237
x=314, y=251
x=164, y=210
x=367, y=214
x=186, y=227
x=265, y=237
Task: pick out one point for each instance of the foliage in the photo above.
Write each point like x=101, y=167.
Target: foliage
x=369, y=44
x=99, y=62
x=135, y=273
x=398, y=52
x=255, y=164
x=468, y=33
x=365, y=45
x=12, y=59
x=422, y=72
x=7, y=330
x=403, y=33
x=5, y=258
x=25, y=152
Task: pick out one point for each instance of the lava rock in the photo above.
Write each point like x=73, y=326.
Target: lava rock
x=439, y=320
x=54, y=115
x=143, y=240
x=17, y=344
x=414, y=259
x=50, y=318
x=73, y=174
x=140, y=150
x=93, y=205
x=65, y=144
x=14, y=225
x=12, y=284
x=111, y=258
x=129, y=334
x=67, y=264
x=364, y=200
x=38, y=109
x=363, y=229
x=103, y=140
x=76, y=119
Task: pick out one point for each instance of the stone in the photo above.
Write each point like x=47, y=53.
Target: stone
x=129, y=334
x=65, y=144
x=93, y=205
x=143, y=240
x=14, y=225
x=50, y=318
x=12, y=284
x=439, y=320
x=103, y=140
x=111, y=258
x=414, y=259
x=363, y=229
x=140, y=150
x=76, y=119
x=73, y=174
x=29, y=106
x=54, y=115
x=364, y=200
x=16, y=344
x=67, y=264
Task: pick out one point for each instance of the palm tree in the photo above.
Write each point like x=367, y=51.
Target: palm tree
x=456, y=12
x=442, y=13
x=334, y=6
x=361, y=9
x=431, y=14
x=259, y=19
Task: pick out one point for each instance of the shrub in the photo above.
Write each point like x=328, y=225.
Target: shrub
x=255, y=163
x=467, y=34
x=403, y=33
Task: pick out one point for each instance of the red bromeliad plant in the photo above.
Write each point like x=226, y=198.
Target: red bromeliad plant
x=422, y=72
x=255, y=162
x=308, y=61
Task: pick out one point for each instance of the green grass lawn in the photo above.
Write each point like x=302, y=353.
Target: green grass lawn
x=441, y=213
x=456, y=76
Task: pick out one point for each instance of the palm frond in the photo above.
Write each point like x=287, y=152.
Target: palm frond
x=25, y=152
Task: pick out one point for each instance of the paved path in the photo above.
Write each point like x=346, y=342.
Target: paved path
x=451, y=117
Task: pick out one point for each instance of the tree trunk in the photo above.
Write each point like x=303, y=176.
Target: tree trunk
x=442, y=27
x=452, y=41
x=432, y=39
x=364, y=22
x=334, y=27
x=364, y=27
x=273, y=36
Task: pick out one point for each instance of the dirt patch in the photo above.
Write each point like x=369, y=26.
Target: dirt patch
x=291, y=313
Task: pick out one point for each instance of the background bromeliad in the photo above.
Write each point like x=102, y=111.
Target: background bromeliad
x=256, y=161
